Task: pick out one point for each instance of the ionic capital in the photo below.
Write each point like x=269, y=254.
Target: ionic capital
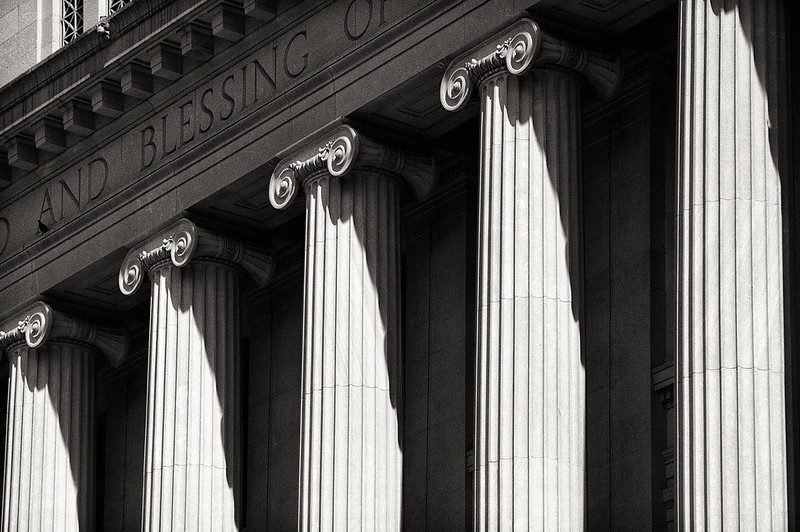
x=185, y=241
x=41, y=323
x=515, y=50
x=340, y=149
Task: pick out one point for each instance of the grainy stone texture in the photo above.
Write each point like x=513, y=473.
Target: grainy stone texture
x=275, y=377
x=623, y=336
x=437, y=352
x=731, y=350
x=19, y=24
x=126, y=410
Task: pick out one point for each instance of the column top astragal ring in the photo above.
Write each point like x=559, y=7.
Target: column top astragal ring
x=338, y=149
x=515, y=50
x=42, y=323
x=184, y=241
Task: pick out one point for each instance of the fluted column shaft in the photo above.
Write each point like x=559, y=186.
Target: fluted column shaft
x=192, y=451
x=351, y=466
x=49, y=462
x=732, y=472
x=530, y=379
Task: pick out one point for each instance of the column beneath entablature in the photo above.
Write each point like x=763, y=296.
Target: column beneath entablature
x=351, y=463
x=192, y=477
x=530, y=389
x=732, y=345
x=49, y=462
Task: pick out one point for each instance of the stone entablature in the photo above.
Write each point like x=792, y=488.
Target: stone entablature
x=103, y=178
x=104, y=67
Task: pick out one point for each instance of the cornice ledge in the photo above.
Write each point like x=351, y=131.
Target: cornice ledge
x=88, y=43
x=515, y=50
x=338, y=149
x=42, y=323
x=185, y=241
x=54, y=65
x=133, y=14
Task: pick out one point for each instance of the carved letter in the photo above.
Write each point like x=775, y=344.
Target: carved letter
x=206, y=109
x=244, y=87
x=149, y=130
x=5, y=233
x=99, y=177
x=229, y=97
x=47, y=206
x=350, y=23
x=261, y=72
x=382, y=20
x=294, y=73
x=186, y=120
x=164, y=150
x=65, y=188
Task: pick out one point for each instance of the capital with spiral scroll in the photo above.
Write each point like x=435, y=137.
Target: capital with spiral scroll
x=41, y=323
x=516, y=50
x=339, y=149
x=185, y=241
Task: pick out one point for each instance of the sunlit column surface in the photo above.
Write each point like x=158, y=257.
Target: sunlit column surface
x=529, y=441
x=192, y=475
x=351, y=463
x=732, y=157
x=49, y=464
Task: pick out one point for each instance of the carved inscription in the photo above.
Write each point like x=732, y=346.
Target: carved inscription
x=260, y=78
x=69, y=194
x=229, y=96
x=358, y=17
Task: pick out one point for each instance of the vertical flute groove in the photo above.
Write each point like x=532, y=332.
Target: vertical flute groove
x=732, y=471
x=530, y=387
x=351, y=466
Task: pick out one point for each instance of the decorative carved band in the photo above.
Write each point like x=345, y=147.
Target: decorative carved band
x=514, y=50
x=185, y=241
x=336, y=151
x=41, y=323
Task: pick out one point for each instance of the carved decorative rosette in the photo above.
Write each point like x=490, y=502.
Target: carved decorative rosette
x=185, y=241
x=515, y=50
x=41, y=323
x=338, y=150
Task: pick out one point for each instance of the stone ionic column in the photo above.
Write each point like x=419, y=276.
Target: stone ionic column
x=529, y=442
x=192, y=474
x=49, y=479
x=731, y=348
x=351, y=464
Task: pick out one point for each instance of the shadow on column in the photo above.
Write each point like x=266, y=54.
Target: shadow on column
x=209, y=292
x=762, y=26
x=363, y=209
x=753, y=125
x=69, y=386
